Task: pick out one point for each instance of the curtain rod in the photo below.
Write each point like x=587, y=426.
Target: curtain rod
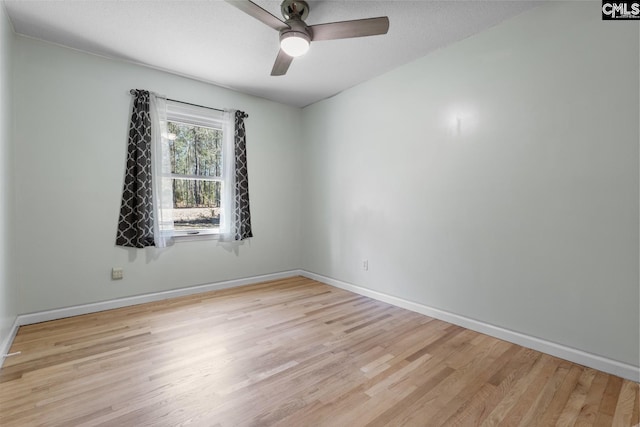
x=132, y=92
x=194, y=105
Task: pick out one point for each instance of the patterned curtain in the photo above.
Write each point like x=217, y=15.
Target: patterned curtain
x=135, y=227
x=242, y=214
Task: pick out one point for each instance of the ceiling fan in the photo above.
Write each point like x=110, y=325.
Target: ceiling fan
x=296, y=35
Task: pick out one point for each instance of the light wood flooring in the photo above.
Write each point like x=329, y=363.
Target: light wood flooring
x=292, y=352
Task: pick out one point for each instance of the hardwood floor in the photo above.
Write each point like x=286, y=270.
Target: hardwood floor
x=292, y=352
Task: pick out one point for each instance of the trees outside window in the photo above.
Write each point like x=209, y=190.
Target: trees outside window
x=196, y=171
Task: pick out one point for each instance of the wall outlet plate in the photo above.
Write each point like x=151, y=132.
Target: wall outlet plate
x=117, y=273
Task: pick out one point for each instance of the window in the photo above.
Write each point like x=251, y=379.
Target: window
x=195, y=148
x=187, y=161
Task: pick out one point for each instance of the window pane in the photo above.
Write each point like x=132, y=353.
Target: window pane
x=196, y=204
x=195, y=150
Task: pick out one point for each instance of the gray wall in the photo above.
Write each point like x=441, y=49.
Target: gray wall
x=496, y=178
x=8, y=286
x=72, y=112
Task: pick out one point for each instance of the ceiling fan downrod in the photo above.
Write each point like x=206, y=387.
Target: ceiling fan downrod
x=292, y=9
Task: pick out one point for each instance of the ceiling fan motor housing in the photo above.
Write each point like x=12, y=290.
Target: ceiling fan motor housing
x=297, y=28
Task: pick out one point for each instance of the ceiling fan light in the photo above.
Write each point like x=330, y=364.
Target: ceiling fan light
x=294, y=43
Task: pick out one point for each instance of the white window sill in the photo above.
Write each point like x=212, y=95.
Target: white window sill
x=188, y=236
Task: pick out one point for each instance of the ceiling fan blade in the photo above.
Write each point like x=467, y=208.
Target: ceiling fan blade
x=348, y=29
x=250, y=8
x=282, y=64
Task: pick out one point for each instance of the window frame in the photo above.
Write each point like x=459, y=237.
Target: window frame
x=191, y=115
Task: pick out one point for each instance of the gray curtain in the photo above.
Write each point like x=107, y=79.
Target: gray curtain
x=135, y=227
x=242, y=214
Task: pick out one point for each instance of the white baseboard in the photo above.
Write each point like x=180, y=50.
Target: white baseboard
x=6, y=344
x=601, y=363
x=60, y=313
x=43, y=316
x=584, y=358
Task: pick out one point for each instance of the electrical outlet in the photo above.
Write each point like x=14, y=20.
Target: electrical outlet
x=365, y=265
x=117, y=273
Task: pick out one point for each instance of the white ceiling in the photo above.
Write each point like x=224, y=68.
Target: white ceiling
x=212, y=41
